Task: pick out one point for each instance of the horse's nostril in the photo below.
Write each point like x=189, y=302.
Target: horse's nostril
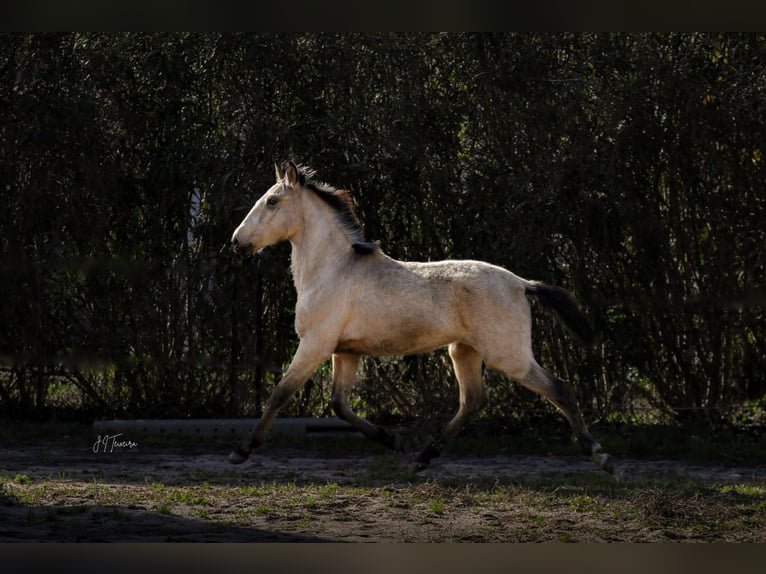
x=234, y=244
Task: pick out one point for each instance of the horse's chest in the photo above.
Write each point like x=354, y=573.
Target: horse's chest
x=316, y=314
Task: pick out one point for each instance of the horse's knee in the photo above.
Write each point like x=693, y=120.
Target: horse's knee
x=474, y=402
x=336, y=402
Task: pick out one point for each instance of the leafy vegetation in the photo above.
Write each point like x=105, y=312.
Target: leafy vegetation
x=625, y=167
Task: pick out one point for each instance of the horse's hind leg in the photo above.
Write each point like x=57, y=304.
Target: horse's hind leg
x=344, y=366
x=467, y=364
x=561, y=394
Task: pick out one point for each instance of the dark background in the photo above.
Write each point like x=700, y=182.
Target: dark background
x=627, y=168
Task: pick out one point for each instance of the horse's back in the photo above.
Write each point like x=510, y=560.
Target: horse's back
x=402, y=307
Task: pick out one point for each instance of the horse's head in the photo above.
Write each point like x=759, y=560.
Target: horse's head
x=275, y=216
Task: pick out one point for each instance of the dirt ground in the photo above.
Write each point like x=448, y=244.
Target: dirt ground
x=63, y=491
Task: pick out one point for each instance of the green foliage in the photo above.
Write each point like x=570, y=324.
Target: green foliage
x=625, y=167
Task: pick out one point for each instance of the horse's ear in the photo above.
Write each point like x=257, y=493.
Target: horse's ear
x=280, y=174
x=291, y=173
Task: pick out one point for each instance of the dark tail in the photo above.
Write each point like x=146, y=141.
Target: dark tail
x=565, y=306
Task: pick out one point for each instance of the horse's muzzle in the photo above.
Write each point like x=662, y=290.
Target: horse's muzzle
x=236, y=247
x=241, y=249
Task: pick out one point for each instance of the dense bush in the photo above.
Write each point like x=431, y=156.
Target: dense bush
x=627, y=168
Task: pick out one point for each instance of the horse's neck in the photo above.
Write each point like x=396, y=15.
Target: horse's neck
x=318, y=249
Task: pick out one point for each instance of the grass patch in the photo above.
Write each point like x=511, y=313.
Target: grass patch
x=187, y=496
x=437, y=506
x=265, y=509
x=251, y=490
x=581, y=502
x=329, y=490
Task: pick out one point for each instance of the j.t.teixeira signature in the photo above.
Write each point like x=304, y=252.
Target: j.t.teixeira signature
x=109, y=442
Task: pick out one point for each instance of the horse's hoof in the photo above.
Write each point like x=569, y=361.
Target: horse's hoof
x=236, y=457
x=423, y=459
x=604, y=462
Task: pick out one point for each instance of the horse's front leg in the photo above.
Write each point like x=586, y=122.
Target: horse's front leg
x=306, y=360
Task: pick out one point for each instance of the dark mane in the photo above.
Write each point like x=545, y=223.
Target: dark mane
x=343, y=205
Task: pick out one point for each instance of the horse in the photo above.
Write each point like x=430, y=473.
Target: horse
x=354, y=300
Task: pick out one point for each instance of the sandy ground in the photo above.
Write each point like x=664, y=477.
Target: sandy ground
x=66, y=492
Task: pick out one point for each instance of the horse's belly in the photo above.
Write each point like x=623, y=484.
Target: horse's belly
x=402, y=344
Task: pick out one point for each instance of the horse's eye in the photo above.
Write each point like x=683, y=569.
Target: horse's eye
x=272, y=201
